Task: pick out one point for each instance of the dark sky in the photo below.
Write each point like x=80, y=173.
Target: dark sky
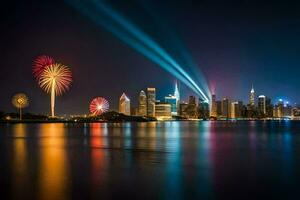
x=235, y=44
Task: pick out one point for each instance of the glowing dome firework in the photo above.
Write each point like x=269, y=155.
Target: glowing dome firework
x=20, y=101
x=55, y=79
x=40, y=63
x=98, y=106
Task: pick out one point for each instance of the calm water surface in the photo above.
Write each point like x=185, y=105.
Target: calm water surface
x=159, y=160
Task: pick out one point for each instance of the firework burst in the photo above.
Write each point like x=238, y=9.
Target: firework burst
x=55, y=79
x=40, y=63
x=20, y=101
x=99, y=105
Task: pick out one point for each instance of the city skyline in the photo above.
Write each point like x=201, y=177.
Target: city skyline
x=253, y=100
x=149, y=99
x=229, y=53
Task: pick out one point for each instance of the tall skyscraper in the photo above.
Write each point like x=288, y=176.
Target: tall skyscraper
x=233, y=109
x=172, y=100
x=177, y=96
x=225, y=107
x=252, y=97
x=278, y=109
x=236, y=109
x=203, y=109
x=183, y=109
x=192, y=107
x=287, y=110
x=124, y=104
x=213, y=109
x=219, y=108
x=262, y=105
x=151, y=98
x=269, y=107
x=142, y=110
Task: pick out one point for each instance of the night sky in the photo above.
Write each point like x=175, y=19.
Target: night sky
x=235, y=44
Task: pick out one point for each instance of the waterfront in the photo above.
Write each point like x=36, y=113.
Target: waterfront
x=154, y=160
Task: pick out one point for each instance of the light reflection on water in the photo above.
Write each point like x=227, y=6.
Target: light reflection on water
x=19, y=158
x=53, y=166
x=170, y=159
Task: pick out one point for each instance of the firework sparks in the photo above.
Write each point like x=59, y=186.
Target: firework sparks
x=20, y=101
x=99, y=105
x=40, y=63
x=55, y=79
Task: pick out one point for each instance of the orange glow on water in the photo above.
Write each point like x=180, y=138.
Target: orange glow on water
x=53, y=168
x=19, y=159
x=97, y=146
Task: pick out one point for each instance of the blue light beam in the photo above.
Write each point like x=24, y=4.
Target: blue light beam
x=131, y=35
x=144, y=38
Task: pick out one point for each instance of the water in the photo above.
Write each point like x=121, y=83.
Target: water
x=157, y=160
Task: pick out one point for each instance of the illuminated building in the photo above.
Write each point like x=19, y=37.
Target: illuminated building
x=225, y=107
x=134, y=111
x=296, y=113
x=192, y=107
x=203, y=109
x=287, y=110
x=213, y=110
x=124, y=104
x=183, y=109
x=252, y=97
x=269, y=108
x=219, y=108
x=233, y=109
x=236, y=109
x=142, y=110
x=163, y=111
x=151, y=98
x=177, y=96
x=261, y=105
x=278, y=109
x=172, y=100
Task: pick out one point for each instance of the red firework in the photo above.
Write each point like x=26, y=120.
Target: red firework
x=98, y=106
x=40, y=63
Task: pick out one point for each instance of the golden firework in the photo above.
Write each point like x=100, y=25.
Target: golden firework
x=55, y=79
x=20, y=101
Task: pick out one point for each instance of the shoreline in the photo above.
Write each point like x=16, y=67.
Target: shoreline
x=108, y=121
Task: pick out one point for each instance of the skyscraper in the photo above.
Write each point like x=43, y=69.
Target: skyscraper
x=219, y=108
x=278, y=109
x=262, y=105
x=192, y=107
x=172, y=100
x=252, y=97
x=142, y=104
x=124, y=104
x=236, y=109
x=287, y=110
x=225, y=107
x=213, y=110
x=203, y=109
x=269, y=108
x=234, y=106
x=151, y=98
x=183, y=110
x=177, y=96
